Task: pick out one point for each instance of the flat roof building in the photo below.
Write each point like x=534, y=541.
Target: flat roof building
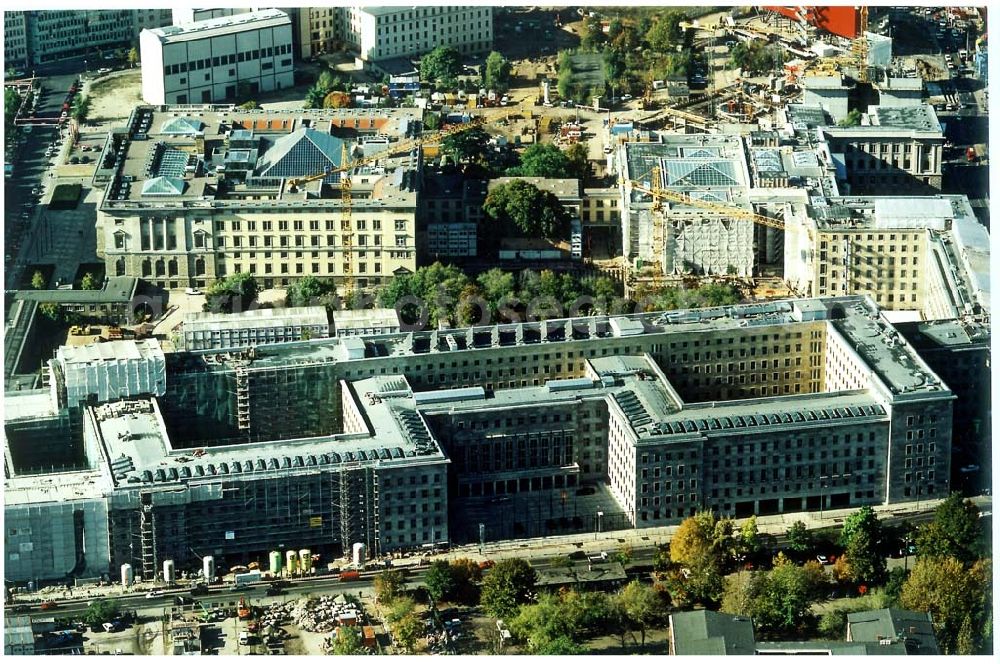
x=428, y=433
x=231, y=58
x=207, y=330
x=384, y=33
x=193, y=194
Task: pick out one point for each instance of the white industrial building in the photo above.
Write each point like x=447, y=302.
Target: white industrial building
x=381, y=33
x=109, y=370
x=204, y=330
x=221, y=59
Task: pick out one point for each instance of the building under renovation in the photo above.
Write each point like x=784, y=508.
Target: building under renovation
x=676, y=238
x=399, y=441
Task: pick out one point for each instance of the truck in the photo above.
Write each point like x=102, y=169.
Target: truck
x=350, y=575
x=246, y=578
x=970, y=154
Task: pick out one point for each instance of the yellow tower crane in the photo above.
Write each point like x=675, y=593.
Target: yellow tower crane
x=660, y=194
x=347, y=167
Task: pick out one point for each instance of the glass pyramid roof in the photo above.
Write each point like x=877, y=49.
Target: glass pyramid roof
x=301, y=153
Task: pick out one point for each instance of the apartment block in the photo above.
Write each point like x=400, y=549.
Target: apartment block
x=200, y=192
x=926, y=254
x=15, y=39
x=58, y=34
x=220, y=59
x=405, y=439
x=451, y=213
x=319, y=30
x=383, y=33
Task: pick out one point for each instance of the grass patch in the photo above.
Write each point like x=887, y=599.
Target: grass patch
x=66, y=197
x=588, y=69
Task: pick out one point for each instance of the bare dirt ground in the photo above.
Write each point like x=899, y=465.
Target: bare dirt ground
x=113, y=97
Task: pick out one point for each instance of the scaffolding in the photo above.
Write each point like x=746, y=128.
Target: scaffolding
x=147, y=534
x=243, y=398
x=357, y=495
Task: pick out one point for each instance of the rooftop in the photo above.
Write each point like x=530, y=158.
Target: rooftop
x=219, y=27
x=912, y=627
x=115, y=290
x=918, y=118
x=143, y=349
x=219, y=156
x=281, y=317
x=711, y=633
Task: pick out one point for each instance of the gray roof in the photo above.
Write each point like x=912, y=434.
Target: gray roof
x=117, y=289
x=911, y=627
x=218, y=27
x=303, y=152
x=920, y=118
x=711, y=633
x=828, y=648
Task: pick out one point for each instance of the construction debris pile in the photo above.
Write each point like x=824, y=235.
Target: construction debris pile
x=325, y=613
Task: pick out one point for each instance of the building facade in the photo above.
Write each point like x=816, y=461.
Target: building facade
x=221, y=59
x=388, y=440
x=168, y=218
x=383, y=33
x=57, y=34
x=206, y=330
x=897, y=149
x=152, y=18
x=320, y=30
x=15, y=39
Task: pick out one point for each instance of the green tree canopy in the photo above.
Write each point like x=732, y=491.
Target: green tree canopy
x=953, y=595
x=80, y=108
x=507, y=586
x=438, y=580
x=404, y=622
x=756, y=57
x=432, y=290
x=956, y=531
x=644, y=606
x=778, y=601
x=666, y=34
x=861, y=537
x=347, y=642
x=233, y=293
x=133, y=56
x=309, y=291
x=496, y=72
x=542, y=160
x=89, y=282
x=389, y=584
x=101, y=611
x=800, y=540
x=443, y=65
x=519, y=208
x=468, y=146
x=38, y=280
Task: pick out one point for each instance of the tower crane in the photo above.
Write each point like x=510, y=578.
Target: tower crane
x=347, y=167
x=660, y=194
x=858, y=58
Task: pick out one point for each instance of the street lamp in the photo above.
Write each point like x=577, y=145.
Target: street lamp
x=599, y=515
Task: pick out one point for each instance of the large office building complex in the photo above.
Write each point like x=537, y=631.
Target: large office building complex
x=219, y=59
x=395, y=440
x=193, y=194
x=15, y=39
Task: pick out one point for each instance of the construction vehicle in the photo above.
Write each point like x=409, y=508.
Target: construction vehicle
x=243, y=610
x=345, y=169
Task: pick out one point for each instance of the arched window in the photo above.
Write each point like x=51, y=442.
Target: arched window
x=172, y=267
x=199, y=266
x=146, y=269
x=120, y=267
x=160, y=267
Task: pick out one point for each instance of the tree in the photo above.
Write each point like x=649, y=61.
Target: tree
x=800, y=540
x=337, y=99
x=519, y=208
x=577, y=162
x=756, y=57
x=233, y=293
x=643, y=605
x=133, y=57
x=249, y=105
x=860, y=537
x=50, y=310
x=101, y=611
x=347, y=642
x=466, y=146
x=389, y=584
x=80, y=108
x=307, y=291
x=952, y=594
x=748, y=541
x=853, y=119
x=496, y=72
x=88, y=282
x=315, y=97
x=432, y=121
x=778, y=601
x=443, y=66
x=11, y=102
x=666, y=33
x=438, y=580
x=465, y=575
x=541, y=160
x=507, y=585
x=614, y=65
x=404, y=623
x=38, y=280
x=956, y=531
x=592, y=36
